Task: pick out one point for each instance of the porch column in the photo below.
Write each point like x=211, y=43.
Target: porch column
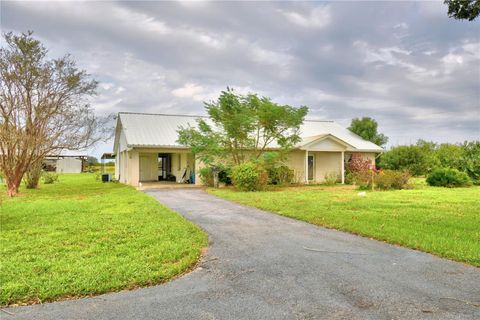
x=306, y=166
x=343, y=167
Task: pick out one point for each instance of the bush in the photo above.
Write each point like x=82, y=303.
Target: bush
x=280, y=175
x=411, y=158
x=391, y=179
x=249, y=177
x=224, y=176
x=359, y=171
x=49, y=177
x=362, y=179
x=331, y=178
x=206, y=176
x=450, y=178
x=358, y=163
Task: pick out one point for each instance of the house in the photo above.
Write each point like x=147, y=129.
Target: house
x=146, y=149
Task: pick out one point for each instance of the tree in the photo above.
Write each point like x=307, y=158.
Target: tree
x=410, y=158
x=242, y=127
x=367, y=128
x=463, y=9
x=43, y=107
x=450, y=155
x=470, y=162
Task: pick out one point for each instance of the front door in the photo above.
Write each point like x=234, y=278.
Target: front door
x=311, y=165
x=164, y=166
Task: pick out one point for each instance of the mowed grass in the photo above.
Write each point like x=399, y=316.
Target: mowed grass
x=81, y=237
x=444, y=222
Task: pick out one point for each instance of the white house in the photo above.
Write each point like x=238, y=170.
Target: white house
x=146, y=149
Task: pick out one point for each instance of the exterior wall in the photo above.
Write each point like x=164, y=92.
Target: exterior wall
x=69, y=165
x=325, y=163
x=296, y=161
x=148, y=167
x=327, y=144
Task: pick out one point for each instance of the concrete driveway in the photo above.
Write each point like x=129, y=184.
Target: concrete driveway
x=263, y=266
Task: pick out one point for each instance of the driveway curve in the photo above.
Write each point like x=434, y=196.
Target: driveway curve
x=263, y=266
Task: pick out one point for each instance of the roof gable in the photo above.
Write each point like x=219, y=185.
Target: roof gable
x=324, y=143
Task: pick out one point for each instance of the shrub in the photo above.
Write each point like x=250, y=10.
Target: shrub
x=280, y=175
x=411, y=158
x=359, y=171
x=249, y=177
x=362, y=179
x=49, y=177
x=358, y=163
x=450, y=178
x=206, y=176
x=224, y=176
x=391, y=179
x=331, y=178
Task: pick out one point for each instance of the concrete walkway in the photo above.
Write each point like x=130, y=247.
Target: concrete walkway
x=263, y=266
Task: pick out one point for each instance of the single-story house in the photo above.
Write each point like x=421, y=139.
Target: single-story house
x=146, y=149
x=65, y=163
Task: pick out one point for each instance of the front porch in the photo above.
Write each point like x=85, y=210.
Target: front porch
x=167, y=167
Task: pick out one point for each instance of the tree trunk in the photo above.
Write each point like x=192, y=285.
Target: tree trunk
x=32, y=176
x=13, y=183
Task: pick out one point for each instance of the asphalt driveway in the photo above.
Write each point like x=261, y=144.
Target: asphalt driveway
x=263, y=266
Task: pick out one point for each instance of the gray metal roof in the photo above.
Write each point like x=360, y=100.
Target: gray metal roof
x=160, y=130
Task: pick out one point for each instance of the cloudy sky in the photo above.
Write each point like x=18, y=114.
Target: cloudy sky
x=405, y=64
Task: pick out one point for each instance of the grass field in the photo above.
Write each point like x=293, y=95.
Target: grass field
x=445, y=222
x=81, y=237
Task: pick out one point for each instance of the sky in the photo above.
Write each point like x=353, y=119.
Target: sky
x=406, y=64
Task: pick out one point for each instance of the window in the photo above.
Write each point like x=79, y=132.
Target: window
x=179, y=161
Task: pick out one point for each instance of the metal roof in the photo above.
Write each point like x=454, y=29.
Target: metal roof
x=160, y=130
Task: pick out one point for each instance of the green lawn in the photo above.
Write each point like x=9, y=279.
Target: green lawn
x=442, y=221
x=81, y=237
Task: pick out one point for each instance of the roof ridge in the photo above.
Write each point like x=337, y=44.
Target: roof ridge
x=198, y=116
x=163, y=114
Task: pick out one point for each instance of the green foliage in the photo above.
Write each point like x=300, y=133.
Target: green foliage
x=463, y=9
x=422, y=158
x=281, y=175
x=450, y=155
x=206, y=176
x=240, y=127
x=224, y=176
x=49, y=177
x=471, y=160
x=363, y=179
x=79, y=237
x=411, y=158
x=367, y=128
x=391, y=179
x=249, y=176
x=450, y=178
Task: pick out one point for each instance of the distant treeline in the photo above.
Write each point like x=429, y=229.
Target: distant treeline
x=424, y=156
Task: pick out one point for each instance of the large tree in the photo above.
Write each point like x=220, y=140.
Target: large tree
x=367, y=128
x=463, y=9
x=43, y=107
x=242, y=127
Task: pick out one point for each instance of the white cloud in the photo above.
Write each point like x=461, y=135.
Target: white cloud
x=318, y=17
x=188, y=90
